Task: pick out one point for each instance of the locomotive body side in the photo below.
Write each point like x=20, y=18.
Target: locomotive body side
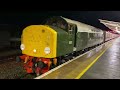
x=65, y=42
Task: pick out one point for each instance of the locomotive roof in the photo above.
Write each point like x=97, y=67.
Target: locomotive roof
x=82, y=27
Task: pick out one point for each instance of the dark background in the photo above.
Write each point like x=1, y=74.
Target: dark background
x=88, y=17
x=15, y=22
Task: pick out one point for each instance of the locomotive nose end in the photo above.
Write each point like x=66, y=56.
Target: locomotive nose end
x=39, y=41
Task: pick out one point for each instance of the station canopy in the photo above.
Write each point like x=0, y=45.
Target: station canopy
x=114, y=26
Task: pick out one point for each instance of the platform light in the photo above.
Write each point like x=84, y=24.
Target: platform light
x=22, y=46
x=34, y=50
x=47, y=50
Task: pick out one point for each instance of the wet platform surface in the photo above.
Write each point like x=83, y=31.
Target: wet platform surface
x=108, y=65
x=77, y=67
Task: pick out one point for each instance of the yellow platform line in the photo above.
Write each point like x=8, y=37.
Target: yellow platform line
x=80, y=75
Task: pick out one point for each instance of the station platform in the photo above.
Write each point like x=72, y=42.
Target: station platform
x=108, y=65
x=102, y=62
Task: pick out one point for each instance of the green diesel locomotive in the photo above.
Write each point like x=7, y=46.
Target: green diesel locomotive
x=58, y=40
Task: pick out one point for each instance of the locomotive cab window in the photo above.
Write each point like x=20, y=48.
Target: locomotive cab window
x=71, y=28
x=57, y=22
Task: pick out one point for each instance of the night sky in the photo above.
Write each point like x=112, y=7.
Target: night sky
x=22, y=19
x=15, y=22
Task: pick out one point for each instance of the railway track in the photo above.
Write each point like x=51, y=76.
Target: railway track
x=10, y=69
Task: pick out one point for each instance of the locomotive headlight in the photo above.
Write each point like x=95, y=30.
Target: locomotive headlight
x=34, y=50
x=47, y=50
x=22, y=46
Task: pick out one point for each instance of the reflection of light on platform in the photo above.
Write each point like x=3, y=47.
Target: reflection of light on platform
x=98, y=49
x=113, y=59
x=113, y=55
x=115, y=49
x=95, y=51
x=89, y=54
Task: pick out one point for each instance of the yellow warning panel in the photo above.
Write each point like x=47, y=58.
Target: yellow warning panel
x=39, y=41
